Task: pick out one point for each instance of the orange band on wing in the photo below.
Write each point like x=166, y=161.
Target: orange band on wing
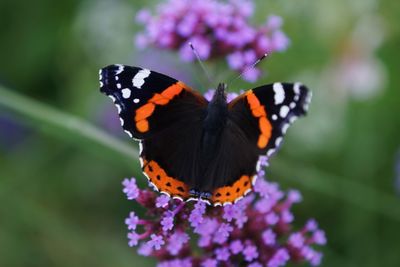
x=163, y=182
x=231, y=193
x=258, y=111
x=145, y=111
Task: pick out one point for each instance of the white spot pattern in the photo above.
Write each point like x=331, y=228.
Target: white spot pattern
x=285, y=127
x=120, y=69
x=279, y=96
x=274, y=117
x=278, y=141
x=138, y=80
x=126, y=93
x=136, y=100
x=284, y=111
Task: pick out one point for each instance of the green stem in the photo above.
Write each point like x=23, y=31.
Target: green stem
x=52, y=117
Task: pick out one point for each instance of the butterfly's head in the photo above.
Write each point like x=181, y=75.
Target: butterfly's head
x=220, y=93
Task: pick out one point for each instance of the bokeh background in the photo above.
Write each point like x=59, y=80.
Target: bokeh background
x=60, y=178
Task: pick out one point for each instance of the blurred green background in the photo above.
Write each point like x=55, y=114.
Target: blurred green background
x=60, y=179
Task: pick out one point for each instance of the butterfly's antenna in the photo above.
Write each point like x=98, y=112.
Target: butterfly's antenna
x=201, y=63
x=250, y=67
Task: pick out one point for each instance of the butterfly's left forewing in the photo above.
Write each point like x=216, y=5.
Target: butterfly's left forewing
x=140, y=94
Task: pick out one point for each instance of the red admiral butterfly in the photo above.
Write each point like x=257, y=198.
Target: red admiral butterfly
x=191, y=148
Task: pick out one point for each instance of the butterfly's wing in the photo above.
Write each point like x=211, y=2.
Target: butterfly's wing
x=258, y=119
x=148, y=102
x=266, y=112
x=166, y=117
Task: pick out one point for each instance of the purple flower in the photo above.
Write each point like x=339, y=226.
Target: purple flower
x=133, y=239
x=224, y=234
x=156, y=241
x=271, y=218
x=312, y=256
x=319, y=237
x=294, y=196
x=311, y=225
x=145, y=249
x=222, y=254
x=132, y=221
x=217, y=29
x=287, y=216
x=235, y=60
x=196, y=216
x=130, y=188
x=209, y=263
x=167, y=221
x=250, y=253
x=269, y=237
x=236, y=247
x=176, y=242
x=279, y=258
x=274, y=22
x=162, y=201
x=296, y=240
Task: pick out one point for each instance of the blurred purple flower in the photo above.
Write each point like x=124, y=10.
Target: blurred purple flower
x=130, y=188
x=223, y=234
x=132, y=221
x=217, y=29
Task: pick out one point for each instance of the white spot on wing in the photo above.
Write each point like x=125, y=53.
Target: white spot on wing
x=278, y=141
x=140, y=148
x=120, y=69
x=284, y=111
x=112, y=98
x=192, y=199
x=258, y=166
x=279, y=96
x=270, y=152
x=254, y=180
x=274, y=117
x=118, y=108
x=126, y=93
x=296, y=88
x=118, y=85
x=138, y=80
x=292, y=105
x=122, y=121
x=136, y=100
x=165, y=193
x=101, y=84
x=285, y=127
x=177, y=197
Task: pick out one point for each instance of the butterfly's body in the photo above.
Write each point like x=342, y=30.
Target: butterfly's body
x=196, y=149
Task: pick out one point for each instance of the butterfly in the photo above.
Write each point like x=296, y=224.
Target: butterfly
x=195, y=149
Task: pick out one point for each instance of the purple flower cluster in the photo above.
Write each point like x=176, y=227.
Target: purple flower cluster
x=217, y=29
x=256, y=231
